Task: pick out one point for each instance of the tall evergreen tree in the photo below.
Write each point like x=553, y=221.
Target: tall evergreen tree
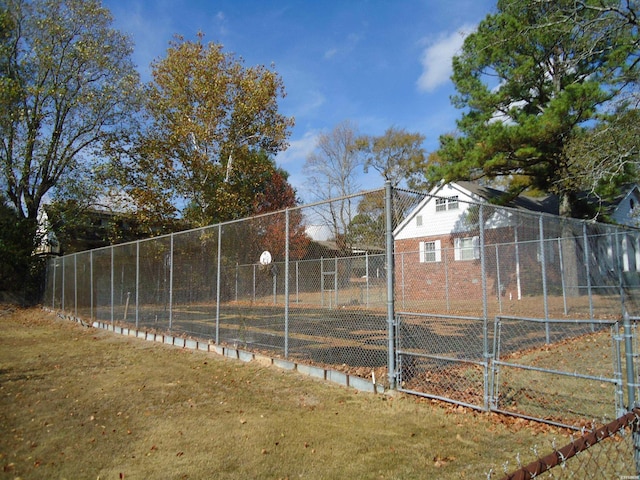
x=531, y=78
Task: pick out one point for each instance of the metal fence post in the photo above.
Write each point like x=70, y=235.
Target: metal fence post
x=632, y=385
x=53, y=287
x=91, y=281
x=218, y=284
x=112, y=285
x=629, y=354
x=366, y=274
x=137, y=283
x=171, y=282
x=562, y=279
x=403, y=279
x=498, y=280
x=322, y=282
x=237, y=273
x=483, y=267
x=388, y=205
x=446, y=279
x=485, y=310
x=75, y=285
x=286, y=284
x=619, y=267
x=587, y=268
x=543, y=266
x=62, y=291
x=335, y=281
x=517, y=255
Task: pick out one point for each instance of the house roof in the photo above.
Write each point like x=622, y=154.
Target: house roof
x=546, y=204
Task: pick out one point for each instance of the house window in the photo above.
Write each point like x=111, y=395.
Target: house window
x=430, y=252
x=467, y=248
x=443, y=204
x=419, y=221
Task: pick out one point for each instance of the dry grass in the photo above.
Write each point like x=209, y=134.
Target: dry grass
x=77, y=402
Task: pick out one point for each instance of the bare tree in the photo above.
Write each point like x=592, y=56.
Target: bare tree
x=331, y=174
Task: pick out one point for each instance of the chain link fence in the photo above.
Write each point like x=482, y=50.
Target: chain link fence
x=319, y=295
x=491, y=307
x=507, y=310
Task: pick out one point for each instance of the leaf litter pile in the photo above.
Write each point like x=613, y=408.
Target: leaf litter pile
x=76, y=402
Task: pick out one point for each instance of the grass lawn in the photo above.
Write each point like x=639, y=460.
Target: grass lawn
x=81, y=403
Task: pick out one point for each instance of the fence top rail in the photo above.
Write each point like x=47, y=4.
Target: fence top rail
x=435, y=315
x=558, y=457
x=568, y=321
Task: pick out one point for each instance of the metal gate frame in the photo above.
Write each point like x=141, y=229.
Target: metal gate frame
x=410, y=351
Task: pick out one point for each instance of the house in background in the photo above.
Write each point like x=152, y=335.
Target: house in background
x=48, y=241
x=437, y=246
x=623, y=209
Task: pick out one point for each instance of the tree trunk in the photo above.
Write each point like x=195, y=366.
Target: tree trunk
x=570, y=247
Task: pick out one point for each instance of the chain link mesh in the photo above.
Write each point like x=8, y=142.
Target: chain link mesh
x=321, y=297
x=490, y=302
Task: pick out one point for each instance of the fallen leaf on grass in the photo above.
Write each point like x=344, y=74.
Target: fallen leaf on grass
x=439, y=461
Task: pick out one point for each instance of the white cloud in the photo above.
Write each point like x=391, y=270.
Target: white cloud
x=436, y=59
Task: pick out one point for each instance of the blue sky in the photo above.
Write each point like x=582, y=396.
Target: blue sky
x=376, y=63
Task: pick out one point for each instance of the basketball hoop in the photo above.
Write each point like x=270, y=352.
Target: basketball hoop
x=265, y=258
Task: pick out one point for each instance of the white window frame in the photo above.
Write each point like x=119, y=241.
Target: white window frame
x=430, y=252
x=448, y=203
x=462, y=251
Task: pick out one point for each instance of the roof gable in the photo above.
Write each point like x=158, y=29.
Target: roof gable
x=474, y=193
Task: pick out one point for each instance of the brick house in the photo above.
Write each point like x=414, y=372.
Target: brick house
x=437, y=246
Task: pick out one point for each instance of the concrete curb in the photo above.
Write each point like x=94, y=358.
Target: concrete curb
x=321, y=373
